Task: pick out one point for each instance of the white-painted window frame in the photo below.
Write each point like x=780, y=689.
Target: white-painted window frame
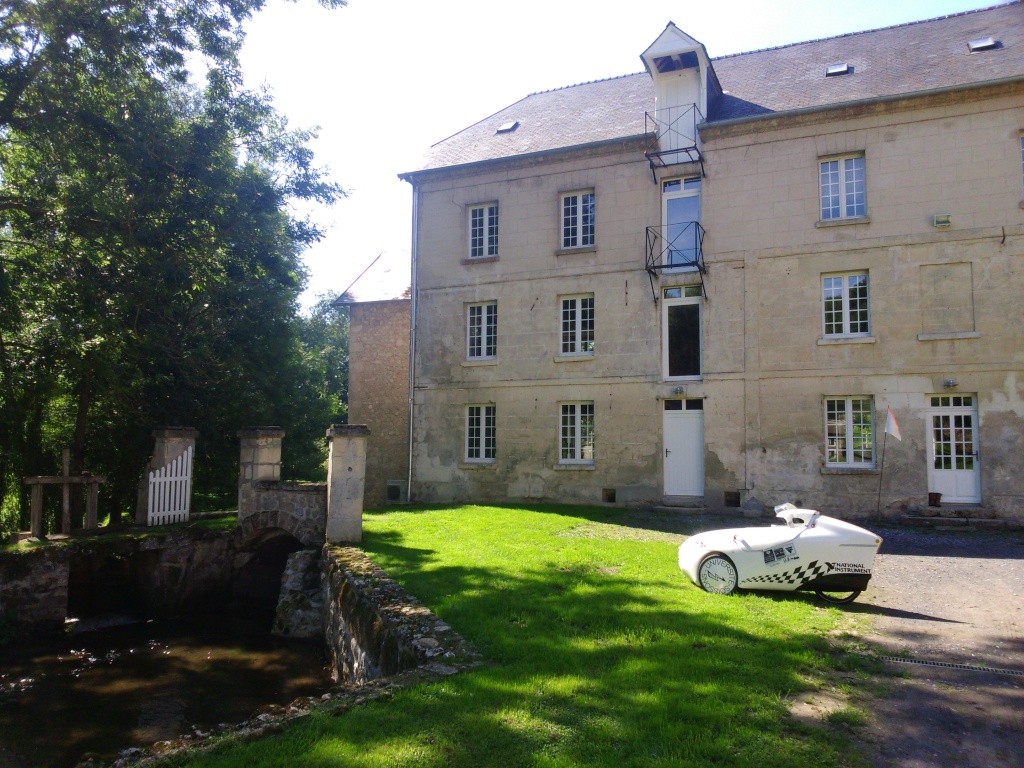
x=577, y=216
x=483, y=230
x=577, y=325
x=687, y=295
x=482, y=330
x=852, y=318
x=576, y=432
x=845, y=445
x=481, y=445
x=842, y=187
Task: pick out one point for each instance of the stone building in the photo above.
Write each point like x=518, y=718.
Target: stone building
x=378, y=394
x=711, y=283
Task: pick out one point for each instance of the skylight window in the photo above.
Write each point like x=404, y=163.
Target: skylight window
x=839, y=68
x=982, y=44
x=508, y=127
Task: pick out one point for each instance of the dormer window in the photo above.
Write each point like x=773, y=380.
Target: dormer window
x=686, y=60
x=982, y=44
x=840, y=68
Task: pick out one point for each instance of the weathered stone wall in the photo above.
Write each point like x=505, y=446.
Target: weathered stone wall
x=374, y=628
x=378, y=390
x=298, y=508
x=34, y=589
x=186, y=571
x=300, y=608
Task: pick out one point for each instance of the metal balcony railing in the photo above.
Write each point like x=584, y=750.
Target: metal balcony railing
x=675, y=129
x=675, y=247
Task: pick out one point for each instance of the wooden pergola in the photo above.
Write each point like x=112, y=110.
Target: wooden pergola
x=65, y=481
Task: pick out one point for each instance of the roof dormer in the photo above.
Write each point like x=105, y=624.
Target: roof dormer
x=685, y=86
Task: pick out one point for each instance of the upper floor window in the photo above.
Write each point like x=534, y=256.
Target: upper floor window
x=481, y=433
x=680, y=216
x=843, y=188
x=681, y=331
x=577, y=219
x=482, y=331
x=844, y=301
x=577, y=325
x=483, y=230
x=576, y=433
x=849, y=432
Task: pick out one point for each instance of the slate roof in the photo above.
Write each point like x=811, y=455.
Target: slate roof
x=908, y=58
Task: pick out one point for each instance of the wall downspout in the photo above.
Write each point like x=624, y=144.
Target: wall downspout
x=412, y=329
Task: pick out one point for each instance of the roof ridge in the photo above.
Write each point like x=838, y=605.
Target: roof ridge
x=585, y=82
x=866, y=31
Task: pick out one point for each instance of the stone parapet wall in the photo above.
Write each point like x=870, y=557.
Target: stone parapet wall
x=298, y=508
x=373, y=628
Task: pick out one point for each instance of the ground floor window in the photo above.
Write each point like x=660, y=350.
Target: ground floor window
x=849, y=432
x=577, y=433
x=481, y=433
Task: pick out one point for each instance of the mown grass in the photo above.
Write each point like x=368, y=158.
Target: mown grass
x=599, y=652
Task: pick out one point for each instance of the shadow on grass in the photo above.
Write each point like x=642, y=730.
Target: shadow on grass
x=600, y=654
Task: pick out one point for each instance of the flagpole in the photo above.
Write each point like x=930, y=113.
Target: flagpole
x=881, y=472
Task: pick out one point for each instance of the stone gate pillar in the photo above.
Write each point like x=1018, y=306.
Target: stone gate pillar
x=168, y=444
x=346, y=479
x=259, y=459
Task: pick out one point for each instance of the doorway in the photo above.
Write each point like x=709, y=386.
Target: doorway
x=683, y=436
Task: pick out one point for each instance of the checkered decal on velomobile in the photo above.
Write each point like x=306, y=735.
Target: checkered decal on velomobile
x=799, y=575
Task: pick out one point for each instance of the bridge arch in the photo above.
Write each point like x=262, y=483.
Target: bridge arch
x=256, y=525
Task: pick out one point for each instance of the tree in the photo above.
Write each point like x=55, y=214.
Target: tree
x=149, y=267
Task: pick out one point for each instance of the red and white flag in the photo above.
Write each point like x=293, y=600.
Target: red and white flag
x=891, y=425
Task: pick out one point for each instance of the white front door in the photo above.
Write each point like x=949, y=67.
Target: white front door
x=953, y=468
x=683, y=431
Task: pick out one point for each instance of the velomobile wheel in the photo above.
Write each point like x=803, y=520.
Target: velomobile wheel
x=837, y=598
x=717, y=574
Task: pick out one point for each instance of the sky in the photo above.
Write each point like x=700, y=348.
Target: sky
x=382, y=80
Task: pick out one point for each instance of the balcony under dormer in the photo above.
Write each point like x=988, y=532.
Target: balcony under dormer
x=675, y=131
x=685, y=85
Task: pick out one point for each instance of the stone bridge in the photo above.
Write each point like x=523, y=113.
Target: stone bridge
x=313, y=513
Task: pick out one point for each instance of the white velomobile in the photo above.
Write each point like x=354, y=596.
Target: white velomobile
x=808, y=551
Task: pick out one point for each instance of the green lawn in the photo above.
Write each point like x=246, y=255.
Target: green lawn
x=599, y=651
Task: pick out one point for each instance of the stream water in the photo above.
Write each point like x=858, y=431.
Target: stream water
x=96, y=693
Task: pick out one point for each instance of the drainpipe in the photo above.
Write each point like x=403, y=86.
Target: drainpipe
x=412, y=328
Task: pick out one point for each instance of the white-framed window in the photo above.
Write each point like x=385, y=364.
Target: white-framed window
x=483, y=230
x=481, y=433
x=577, y=211
x=577, y=325
x=845, y=304
x=680, y=329
x=843, y=188
x=576, y=433
x=482, y=331
x=849, y=432
x=680, y=217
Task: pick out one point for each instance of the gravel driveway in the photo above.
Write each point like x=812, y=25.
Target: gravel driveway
x=954, y=598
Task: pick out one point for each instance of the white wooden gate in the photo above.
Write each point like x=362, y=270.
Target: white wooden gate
x=170, y=491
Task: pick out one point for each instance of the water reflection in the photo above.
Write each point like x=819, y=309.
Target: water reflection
x=98, y=692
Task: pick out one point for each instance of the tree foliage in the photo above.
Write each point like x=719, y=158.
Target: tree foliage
x=149, y=261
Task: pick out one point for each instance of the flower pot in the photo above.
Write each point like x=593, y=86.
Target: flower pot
x=934, y=499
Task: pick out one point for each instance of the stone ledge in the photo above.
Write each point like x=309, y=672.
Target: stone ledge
x=962, y=523
x=390, y=631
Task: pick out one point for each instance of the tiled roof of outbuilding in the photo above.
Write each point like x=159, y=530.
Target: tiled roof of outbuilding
x=888, y=62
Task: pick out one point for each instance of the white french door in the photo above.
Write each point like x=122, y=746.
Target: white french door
x=953, y=466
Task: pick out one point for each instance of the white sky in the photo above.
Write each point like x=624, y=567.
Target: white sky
x=385, y=79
